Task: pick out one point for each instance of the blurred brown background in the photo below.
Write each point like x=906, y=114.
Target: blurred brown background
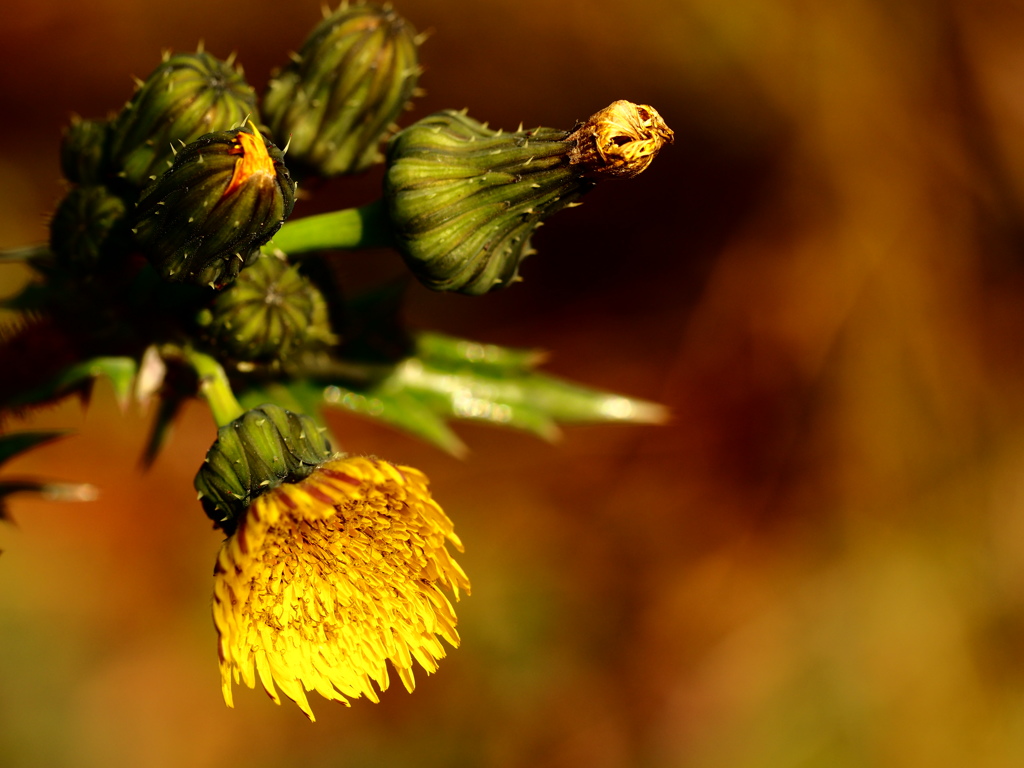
x=819, y=562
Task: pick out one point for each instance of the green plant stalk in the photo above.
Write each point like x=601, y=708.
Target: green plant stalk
x=351, y=228
x=214, y=387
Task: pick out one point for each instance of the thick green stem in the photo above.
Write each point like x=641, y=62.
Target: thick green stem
x=214, y=387
x=365, y=227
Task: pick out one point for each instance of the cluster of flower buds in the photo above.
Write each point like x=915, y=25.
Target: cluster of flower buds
x=87, y=229
x=188, y=166
x=112, y=162
x=334, y=567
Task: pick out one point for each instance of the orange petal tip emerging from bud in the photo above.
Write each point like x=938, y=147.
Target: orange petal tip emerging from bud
x=254, y=160
x=620, y=141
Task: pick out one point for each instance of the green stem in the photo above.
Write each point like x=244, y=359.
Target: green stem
x=365, y=227
x=214, y=387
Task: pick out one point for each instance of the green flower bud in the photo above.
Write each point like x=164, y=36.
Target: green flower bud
x=187, y=96
x=225, y=196
x=334, y=102
x=269, y=313
x=464, y=200
x=89, y=229
x=258, y=451
x=81, y=151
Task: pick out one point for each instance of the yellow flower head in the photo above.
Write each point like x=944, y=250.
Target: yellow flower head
x=328, y=578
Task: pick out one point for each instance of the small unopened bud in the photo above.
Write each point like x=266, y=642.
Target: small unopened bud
x=258, y=451
x=89, y=230
x=81, y=151
x=351, y=79
x=620, y=141
x=223, y=198
x=269, y=313
x=187, y=96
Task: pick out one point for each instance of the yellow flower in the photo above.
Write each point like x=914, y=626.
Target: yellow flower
x=327, y=579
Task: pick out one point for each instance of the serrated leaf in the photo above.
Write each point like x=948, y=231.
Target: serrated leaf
x=166, y=412
x=441, y=348
x=49, y=490
x=16, y=443
x=449, y=378
x=571, y=403
x=34, y=297
x=513, y=394
x=401, y=409
x=120, y=370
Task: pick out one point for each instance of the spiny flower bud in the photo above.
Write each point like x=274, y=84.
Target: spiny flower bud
x=464, y=200
x=89, y=230
x=269, y=313
x=334, y=102
x=256, y=452
x=225, y=196
x=81, y=151
x=187, y=96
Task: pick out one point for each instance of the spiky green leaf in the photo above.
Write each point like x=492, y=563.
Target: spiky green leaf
x=447, y=378
x=16, y=443
x=119, y=370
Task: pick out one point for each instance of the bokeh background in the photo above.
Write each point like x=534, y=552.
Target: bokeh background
x=818, y=562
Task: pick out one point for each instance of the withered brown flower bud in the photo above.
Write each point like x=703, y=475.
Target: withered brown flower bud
x=620, y=141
